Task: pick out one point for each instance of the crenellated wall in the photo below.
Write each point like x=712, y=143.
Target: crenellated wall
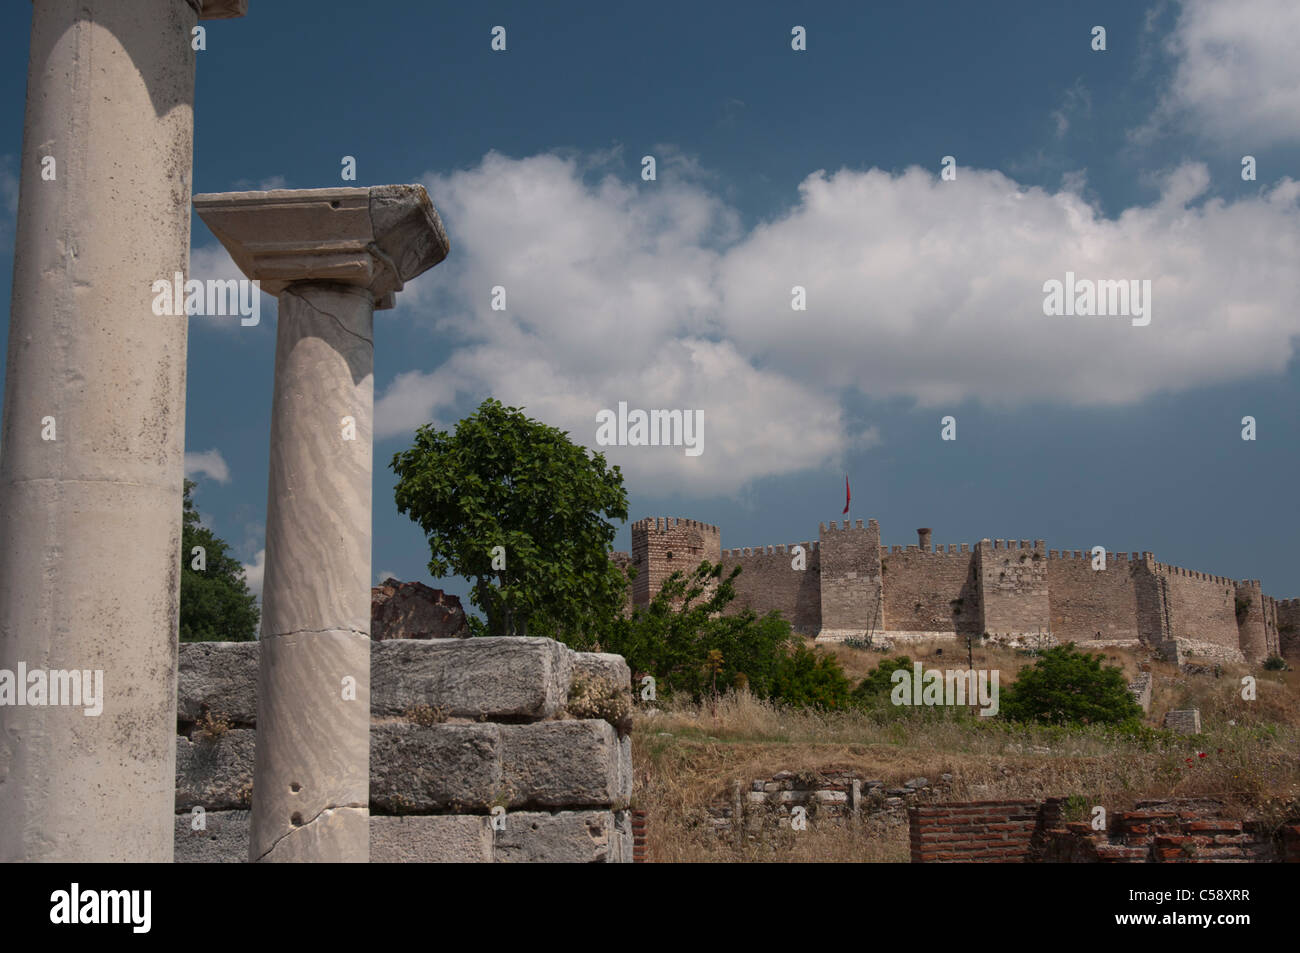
x=769, y=582
x=1013, y=585
x=851, y=587
x=1200, y=612
x=662, y=546
x=851, y=592
x=1288, y=628
x=1088, y=604
x=930, y=591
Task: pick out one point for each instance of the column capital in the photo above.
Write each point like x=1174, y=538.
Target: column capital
x=222, y=9
x=376, y=238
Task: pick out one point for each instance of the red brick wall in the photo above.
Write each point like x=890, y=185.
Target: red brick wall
x=979, y=831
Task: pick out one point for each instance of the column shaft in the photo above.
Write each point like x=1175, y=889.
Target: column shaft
x=311, y=779
x=90, y=521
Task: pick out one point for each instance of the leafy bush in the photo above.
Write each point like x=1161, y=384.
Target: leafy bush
x=1066, y=686
x=874, y=690
x=811, y=680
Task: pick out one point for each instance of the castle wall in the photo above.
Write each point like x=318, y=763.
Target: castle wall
x=768, y=583
x=1252, y=614
x=850, y=581
x=1288, y=628
x=662, y=546
x=1089, y=604
x=1013, y=588
x=1200, y=610
x=930, y=591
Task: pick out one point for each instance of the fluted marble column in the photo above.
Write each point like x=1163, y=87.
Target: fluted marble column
x=92, y=468
x=333, y=256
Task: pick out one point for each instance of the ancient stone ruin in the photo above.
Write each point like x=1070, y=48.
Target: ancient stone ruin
x=276, y=740
x=412, y=610
x=480, y=750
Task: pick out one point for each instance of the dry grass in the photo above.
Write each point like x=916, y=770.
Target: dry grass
x=690, y=756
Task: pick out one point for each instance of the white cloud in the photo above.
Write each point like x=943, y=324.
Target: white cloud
x=917, y=288
x=380, y=577
x=254, y=571
x=1237, y=73
x=209, y=463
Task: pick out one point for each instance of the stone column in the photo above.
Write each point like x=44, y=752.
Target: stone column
x=92, y=468
x=332, y=256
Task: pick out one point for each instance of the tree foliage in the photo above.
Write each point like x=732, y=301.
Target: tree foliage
x=683, y=639
x=1066, y=686
x=505, y=480
x=216, y=605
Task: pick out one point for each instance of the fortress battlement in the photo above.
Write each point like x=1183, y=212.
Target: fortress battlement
x=849, y=585
x=781, y=549
x=664, y=524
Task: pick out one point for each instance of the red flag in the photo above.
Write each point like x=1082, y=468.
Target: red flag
x=847, y=495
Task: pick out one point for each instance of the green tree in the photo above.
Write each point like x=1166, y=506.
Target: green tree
x=812, y=680
x=216, y=605
x=874, y=690
x=520, y=510
x=686, y=640
x=1066, y=686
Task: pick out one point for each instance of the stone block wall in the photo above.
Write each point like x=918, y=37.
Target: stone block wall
x=851, y=593
x=830, y=795
x=481, y=750
x=930, y=592
x=1288, y=628
x=1201, y=613
x=1013, y=583
x=662, y=546
x=1184, y=722
x=1089, y=604
x=768, y=582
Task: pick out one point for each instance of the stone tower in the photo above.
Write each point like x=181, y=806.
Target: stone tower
x=664, y=545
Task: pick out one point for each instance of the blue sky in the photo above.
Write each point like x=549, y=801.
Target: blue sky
x=778, y=168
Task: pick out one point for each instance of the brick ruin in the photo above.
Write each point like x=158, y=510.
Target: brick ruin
x=1176, y=830
x=1018, y=592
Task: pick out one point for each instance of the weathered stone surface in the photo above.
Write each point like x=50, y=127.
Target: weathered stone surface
x=445, y=839
x=506, y=678
x=561, y=764
x=289, y=236
x=219, y=678
x=313, y=738
x=334, y=836
x=224, y=839
x=569, y=837
x=626, y=775
x=425, y=768
x=412, y=610
x=603, y=665
x=90, y=521
x=215, y=773
x=1185, y=722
